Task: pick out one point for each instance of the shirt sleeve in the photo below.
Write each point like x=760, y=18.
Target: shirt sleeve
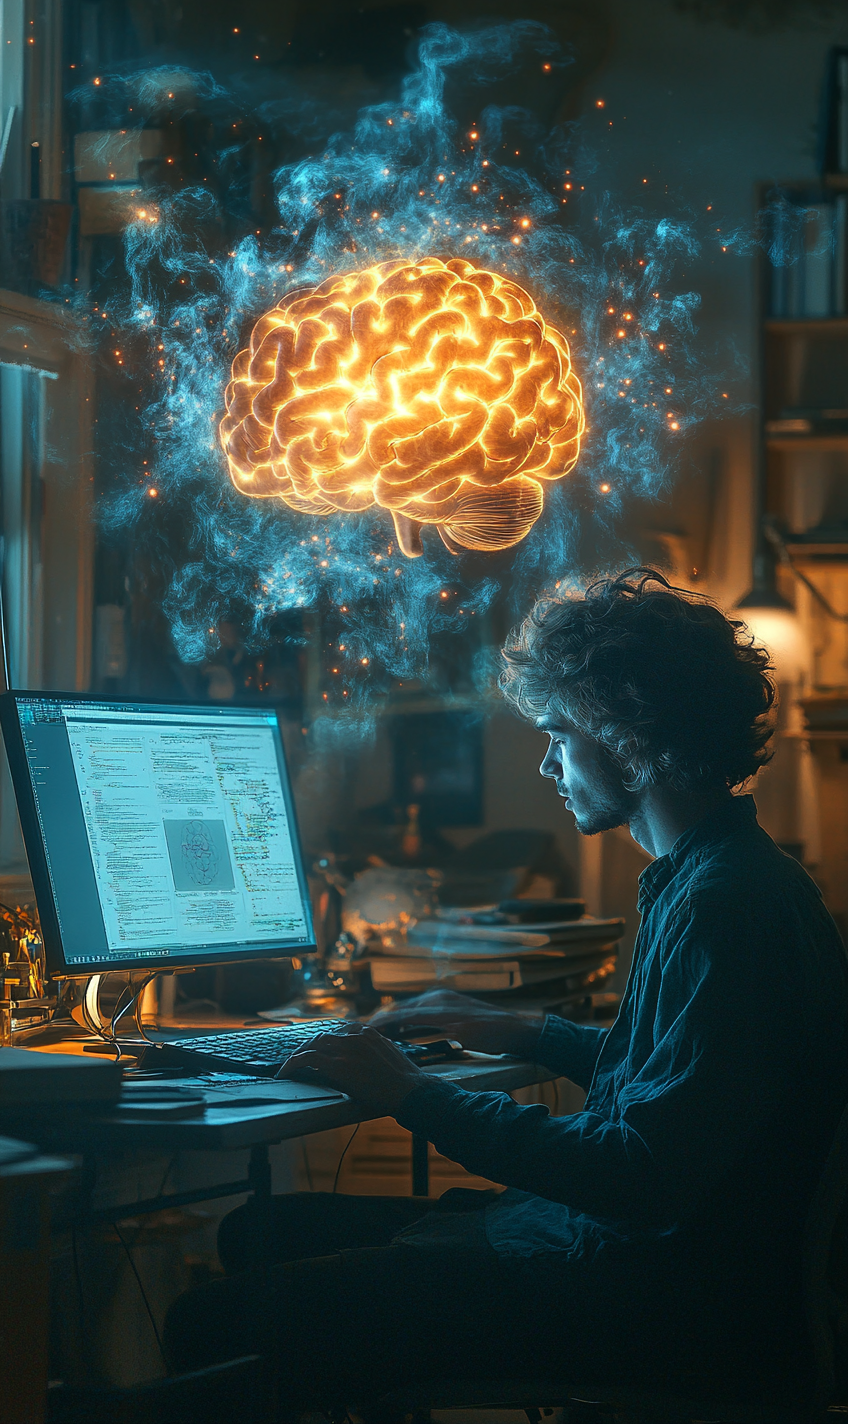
x=570, y=1049
x=722, y=1034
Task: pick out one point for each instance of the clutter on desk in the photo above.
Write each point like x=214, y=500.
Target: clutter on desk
x=491, y=957
x=22, y=987
x=28, y=1076
x=382, y=902
x=550, y=938
x=158, y=1100
x=399, y=929
x=530, y=912
x=407, y=975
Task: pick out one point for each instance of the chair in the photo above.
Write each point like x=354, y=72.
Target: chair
x=825, y=1291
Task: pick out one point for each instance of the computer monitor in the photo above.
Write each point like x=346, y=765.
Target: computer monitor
x=158, y=836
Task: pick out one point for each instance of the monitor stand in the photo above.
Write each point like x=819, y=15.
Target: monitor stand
x=82, y=1021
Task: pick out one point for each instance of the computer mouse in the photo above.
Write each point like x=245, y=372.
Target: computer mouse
x=442, y=1050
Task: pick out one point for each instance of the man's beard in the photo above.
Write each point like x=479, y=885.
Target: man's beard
x=602, y=816
x=608, y=805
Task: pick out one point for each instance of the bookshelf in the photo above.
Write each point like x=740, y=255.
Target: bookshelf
x=803, y=483
x=803, y=446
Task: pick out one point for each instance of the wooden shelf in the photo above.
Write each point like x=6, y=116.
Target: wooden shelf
x=815, y=736
x=807, y=326
x=834, y=550
x=821, y=443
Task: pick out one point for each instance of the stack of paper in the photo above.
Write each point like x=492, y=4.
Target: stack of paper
x=495, y=957
x=554, y=938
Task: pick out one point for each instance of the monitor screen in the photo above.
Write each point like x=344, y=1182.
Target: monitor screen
x=156, y=834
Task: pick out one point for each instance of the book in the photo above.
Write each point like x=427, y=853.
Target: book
x=390, y=974
x=816, y=267
x=840, y=253
x=30, y=1076
x=807, y=246
x=841, y=116
x=556, y=937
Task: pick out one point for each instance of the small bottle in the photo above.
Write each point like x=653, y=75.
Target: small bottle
x=411, y=842
x=5, y=1004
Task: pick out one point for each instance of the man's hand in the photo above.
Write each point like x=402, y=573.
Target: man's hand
x=358, y=1061
x=476, y=1025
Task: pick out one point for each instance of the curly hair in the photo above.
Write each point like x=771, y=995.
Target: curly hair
x=676, y=692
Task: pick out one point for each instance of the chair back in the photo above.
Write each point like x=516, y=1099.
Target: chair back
x=825, y=1268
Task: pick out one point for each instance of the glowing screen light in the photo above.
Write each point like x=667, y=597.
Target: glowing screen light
x=435, y=390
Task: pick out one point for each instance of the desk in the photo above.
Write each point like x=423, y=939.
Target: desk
x=268, y=1113
x=121, y=1177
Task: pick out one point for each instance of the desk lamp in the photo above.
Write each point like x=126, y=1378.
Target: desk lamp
x=771, y=617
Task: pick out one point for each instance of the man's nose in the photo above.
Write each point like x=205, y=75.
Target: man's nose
x=549, y=765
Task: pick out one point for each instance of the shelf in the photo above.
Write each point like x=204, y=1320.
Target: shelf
x=821, y=443
x=836, y=550
x=815, y=736
x=807, y=326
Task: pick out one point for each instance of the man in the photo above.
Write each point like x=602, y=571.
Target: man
x=656, y=1234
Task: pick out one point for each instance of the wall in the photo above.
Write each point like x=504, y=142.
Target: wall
x=705, y=112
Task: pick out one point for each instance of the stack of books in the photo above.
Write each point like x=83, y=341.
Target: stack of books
x=808, y=240
x=809, y=245
x=488, y=958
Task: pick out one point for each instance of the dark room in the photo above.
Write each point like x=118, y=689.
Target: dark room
x=423, y=711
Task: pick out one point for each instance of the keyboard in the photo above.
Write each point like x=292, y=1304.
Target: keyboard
x=256, y=1053
x=260, y=1053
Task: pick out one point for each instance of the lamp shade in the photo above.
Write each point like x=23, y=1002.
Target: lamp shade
x=774, y=623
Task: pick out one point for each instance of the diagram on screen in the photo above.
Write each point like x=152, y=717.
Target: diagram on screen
x=199, y=855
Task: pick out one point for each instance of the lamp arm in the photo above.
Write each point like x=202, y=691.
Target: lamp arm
x=775, y=538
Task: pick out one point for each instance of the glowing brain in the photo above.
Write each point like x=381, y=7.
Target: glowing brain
x=435, y=390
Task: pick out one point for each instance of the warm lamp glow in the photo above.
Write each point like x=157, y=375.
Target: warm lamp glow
x=433, y=389
x=779, y=630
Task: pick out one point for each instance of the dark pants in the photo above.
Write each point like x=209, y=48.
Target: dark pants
x=320, y=1286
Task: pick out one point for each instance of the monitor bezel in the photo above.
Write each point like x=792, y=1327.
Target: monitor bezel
x=57, y=966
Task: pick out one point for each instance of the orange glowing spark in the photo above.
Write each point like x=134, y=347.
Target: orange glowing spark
x=433, y=389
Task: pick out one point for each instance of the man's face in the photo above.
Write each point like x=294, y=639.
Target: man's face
x=587, y=778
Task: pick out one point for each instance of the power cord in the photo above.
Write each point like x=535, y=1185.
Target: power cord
x=344, y=1154
x=134, y=1269
x=83, y=1333
x=131, y=1004
x=128, y=1249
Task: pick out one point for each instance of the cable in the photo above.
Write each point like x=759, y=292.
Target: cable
x=83, y=1334
x=120, y=1008
x=344, y=1154
x=116, y=1017
x=307, y=1168
x=134, y=1270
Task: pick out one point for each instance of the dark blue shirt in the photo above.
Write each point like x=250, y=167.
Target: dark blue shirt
x=711, y=1101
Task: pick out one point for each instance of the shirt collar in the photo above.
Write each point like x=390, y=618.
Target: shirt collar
x=716, y=826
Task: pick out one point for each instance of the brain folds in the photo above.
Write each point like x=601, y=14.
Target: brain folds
x=433, y=389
